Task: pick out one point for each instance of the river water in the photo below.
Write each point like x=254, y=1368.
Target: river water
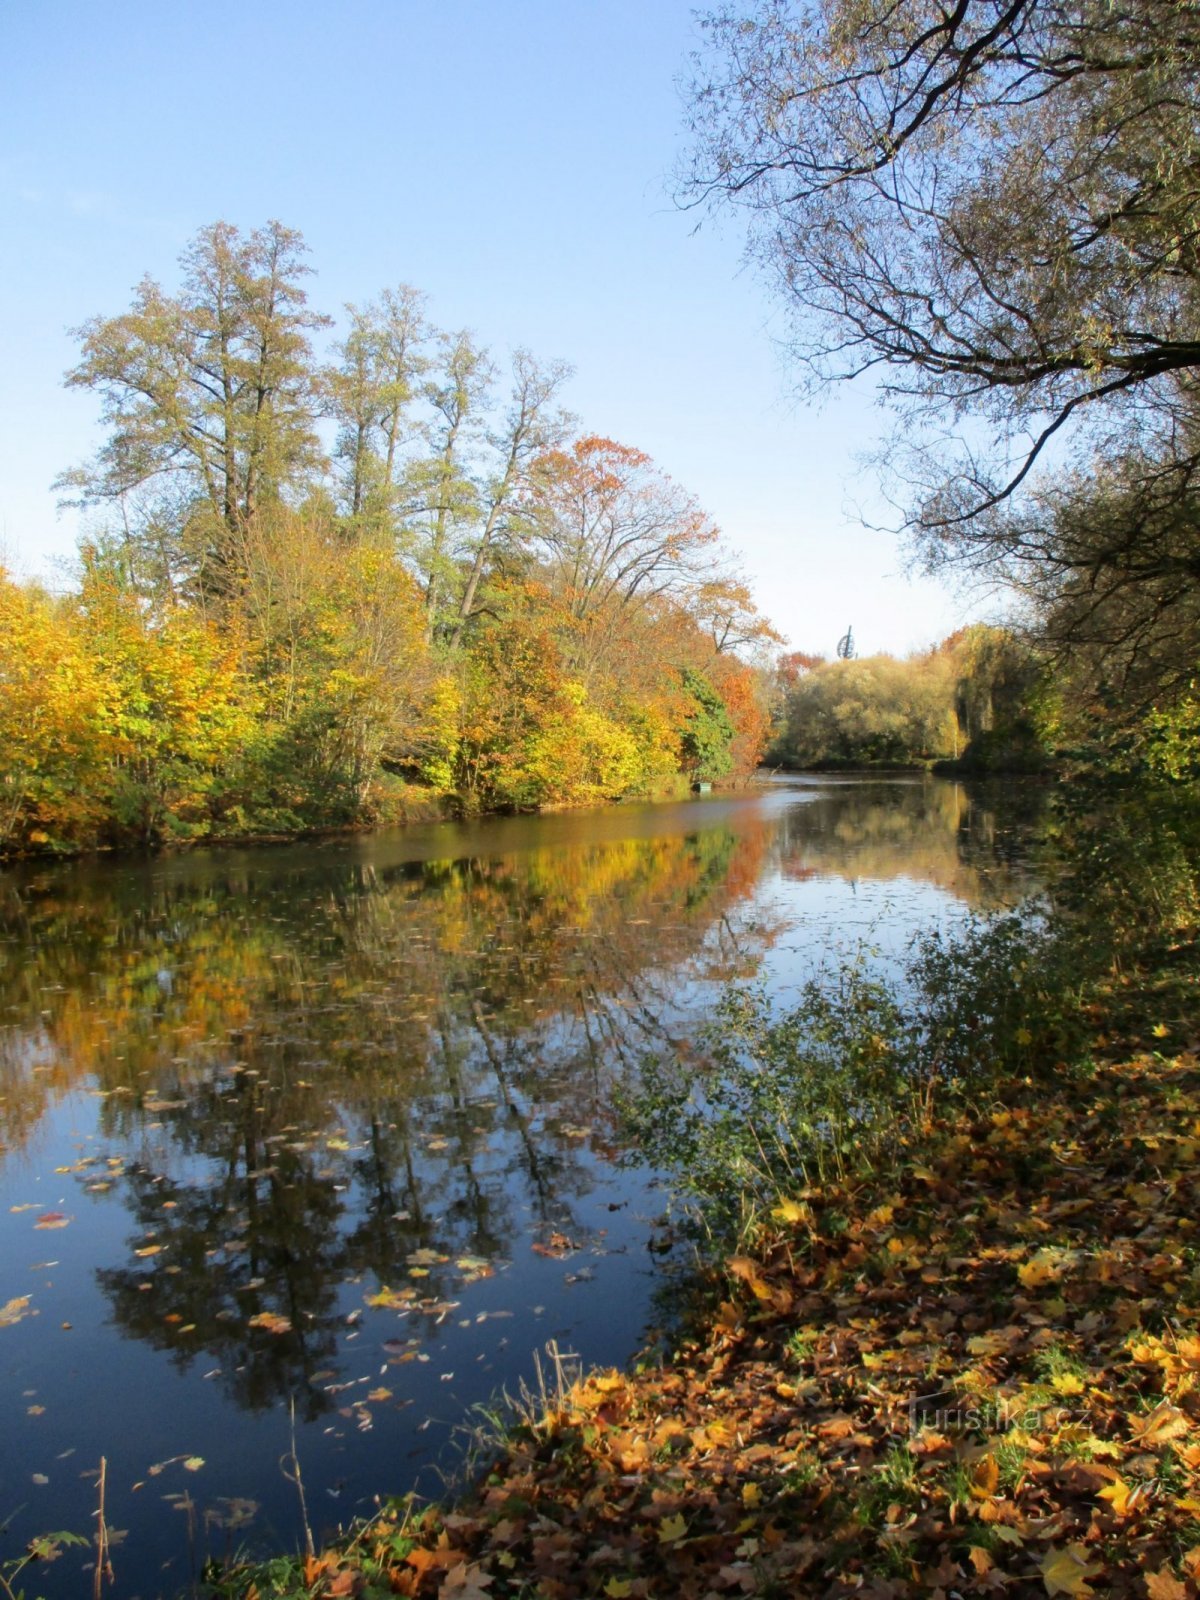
x=317, y=1142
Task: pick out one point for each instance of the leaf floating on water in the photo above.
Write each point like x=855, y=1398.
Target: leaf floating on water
x=40, y=1478
x=193, y=1463
x=556, y=1247
x=271, y=1321
x=391, y=1299
x=13, y=1310
x=52, y=1219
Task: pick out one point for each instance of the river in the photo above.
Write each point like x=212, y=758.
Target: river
x=316, y=1142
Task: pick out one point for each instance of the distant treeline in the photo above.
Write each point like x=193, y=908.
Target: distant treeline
x=982, y=698
x=325, y=593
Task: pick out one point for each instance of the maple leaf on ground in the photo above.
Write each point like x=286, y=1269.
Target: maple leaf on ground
x=1067, y=1571
x=1164, y=1585
x=467, y=1583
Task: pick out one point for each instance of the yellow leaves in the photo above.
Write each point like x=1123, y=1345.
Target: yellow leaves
x=618, y=1588
x=792, y=1211
x=1124, y=1498
x=672, y=1529
x=1067, y=1571
x=985, y=1480
x=380, y=1394
x=1067, y=1383
x=13, y=1310
x=713, y=1436
x=391, y=1299
x=1044, y=1267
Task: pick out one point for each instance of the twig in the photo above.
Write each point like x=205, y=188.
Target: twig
x=289, y=1465
x=103, y=1568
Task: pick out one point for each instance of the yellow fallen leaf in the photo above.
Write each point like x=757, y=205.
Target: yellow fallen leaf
x=1124, y=1498
x=672, y=1528
x=985, y=1480
x=1067, y=1571
x=1068, y=1383
x=618, y=1588
x=12, y=1311
x=1044, y=1267
x=751, y=1495
x=792, y=1211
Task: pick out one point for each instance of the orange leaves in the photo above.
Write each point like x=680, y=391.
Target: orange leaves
x=1164, y=1423
x=52, y=1219
x=270, y=1322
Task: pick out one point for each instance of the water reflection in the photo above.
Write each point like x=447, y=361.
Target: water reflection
x=364, y=1091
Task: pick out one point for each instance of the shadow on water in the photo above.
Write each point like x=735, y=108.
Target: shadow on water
x=332, y=1126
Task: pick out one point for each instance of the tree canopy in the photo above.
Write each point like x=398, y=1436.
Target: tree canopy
x=992, y=206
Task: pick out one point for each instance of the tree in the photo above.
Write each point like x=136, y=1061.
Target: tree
x=874, y=709
x=208, y=394
x=990, y=204
x=442, y=496
x=52, y=750
x=382, y=363
x=615, y=535
x=531, y=428
x=708, y=731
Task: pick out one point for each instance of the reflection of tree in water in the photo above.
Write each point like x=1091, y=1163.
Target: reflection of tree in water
x=347, y=1071
x=947, y=834
x=349, y=1076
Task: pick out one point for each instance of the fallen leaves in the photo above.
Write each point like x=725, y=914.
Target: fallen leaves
x=1067, y=1571
x=52, y=1219
x=13, y=1310
x=270, y=1321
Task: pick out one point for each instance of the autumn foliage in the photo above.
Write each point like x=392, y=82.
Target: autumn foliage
x=463, y=607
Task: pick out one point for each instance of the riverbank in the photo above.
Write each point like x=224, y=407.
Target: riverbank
x=408, y=806
x=971, y=1370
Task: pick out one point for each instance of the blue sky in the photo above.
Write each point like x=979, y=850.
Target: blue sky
x=513, y=159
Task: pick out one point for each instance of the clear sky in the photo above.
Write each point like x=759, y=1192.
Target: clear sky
x=512, y=158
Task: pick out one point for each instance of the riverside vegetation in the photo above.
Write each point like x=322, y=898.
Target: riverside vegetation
x=335, y=592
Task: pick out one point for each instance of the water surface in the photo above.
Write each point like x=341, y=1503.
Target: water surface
x=320, y=1138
